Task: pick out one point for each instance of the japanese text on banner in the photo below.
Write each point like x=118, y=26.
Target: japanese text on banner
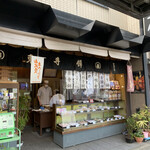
x=37, y=64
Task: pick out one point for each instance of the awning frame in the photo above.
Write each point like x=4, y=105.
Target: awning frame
x=119, y=52
x=60, y=45
x=21, y=38
x=97, y=50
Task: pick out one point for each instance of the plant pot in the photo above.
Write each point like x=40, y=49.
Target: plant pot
x=145, y=134
x=139, y=139
x=128, y=140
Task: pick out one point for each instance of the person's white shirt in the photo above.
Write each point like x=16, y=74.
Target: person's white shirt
x=57, y=99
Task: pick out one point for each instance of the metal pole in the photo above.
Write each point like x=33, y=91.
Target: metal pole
x=146, y=77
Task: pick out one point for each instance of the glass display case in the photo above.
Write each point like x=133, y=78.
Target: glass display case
x=97, y=100
x=9, y=99
x=97, y=114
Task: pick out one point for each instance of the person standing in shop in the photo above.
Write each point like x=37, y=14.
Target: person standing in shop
x=58, y=99
x=44, y=94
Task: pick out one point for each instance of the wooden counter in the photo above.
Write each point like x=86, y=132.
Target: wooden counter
x=43, y=120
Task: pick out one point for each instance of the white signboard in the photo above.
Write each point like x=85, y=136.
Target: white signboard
x=37, y=64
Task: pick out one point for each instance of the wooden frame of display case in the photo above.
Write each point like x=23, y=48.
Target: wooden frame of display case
x=11, y=85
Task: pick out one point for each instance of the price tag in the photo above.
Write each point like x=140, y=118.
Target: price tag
x=77, y=125
x=67, y=127
x=85, y=124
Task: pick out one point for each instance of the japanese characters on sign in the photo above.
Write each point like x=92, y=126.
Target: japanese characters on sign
x=57, y=61
x=79, y=63
x=98, y=65
x=54, y=60
x=37, y=64
x=2, y=55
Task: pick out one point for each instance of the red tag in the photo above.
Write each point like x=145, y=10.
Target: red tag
x=91, y=101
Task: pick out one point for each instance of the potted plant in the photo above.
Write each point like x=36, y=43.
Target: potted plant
x=139, y=136
x=142, y=121
x=24, y=105
x=147, y=115
x=130, y=126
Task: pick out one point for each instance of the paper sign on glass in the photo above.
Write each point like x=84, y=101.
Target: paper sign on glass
x=37, y=64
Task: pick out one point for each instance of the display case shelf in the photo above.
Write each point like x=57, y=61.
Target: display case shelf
x=86, y=112
x=107, y=101
x=76, y=113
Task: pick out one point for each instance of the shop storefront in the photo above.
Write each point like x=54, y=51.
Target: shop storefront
x=94, y=88
x=81, y=64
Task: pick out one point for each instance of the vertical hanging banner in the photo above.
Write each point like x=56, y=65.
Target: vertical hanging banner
x=130, y=82
x=96, y=80
x=101, y=78
x=37, y=65
x=90, y=84
x=83, y=79
x=77, y=80
x=107, y=81
x=69, y=79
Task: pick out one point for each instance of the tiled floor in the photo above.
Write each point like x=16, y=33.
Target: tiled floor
x=32, y=141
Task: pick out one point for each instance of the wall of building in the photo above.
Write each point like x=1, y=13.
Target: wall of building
x=137, y=100
x=94, y=12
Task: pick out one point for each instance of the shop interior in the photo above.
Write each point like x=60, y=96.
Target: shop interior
x=80, y=96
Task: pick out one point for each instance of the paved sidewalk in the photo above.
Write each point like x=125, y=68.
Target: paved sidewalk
x=32, y=141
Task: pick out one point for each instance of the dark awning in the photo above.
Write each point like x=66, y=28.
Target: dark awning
x=24, y=15
x=34, y=17
x=136, y=51
x=123, y=39
x=64, y=25
x=98, y=35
